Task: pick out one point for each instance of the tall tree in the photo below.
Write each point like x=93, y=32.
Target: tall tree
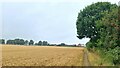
x=86, y=20
x=101, y=23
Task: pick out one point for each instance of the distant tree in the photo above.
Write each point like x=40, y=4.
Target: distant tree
x=45, y=42
x=26, y=42
x=40, y=43
x=16, y=41
x=2, y=41
x=31, y=42
x=62, y=44
x=36, y=43
x=19, y=41
x=49, y=44
x=22, y=42
x=10, y=42
x=7, y=42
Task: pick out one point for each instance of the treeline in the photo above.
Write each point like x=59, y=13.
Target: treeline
x=23, y=42
x=101, y=23
x=31, y=42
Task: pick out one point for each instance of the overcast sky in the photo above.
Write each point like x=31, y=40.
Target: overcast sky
x=50, y=20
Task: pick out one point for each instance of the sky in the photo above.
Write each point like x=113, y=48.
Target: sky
x=50, y=20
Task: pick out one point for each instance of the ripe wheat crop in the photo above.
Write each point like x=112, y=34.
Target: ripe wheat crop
x=16, y=55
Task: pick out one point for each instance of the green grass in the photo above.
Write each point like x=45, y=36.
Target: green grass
x=97, y=60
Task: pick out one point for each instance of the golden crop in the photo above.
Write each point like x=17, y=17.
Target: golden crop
x=0, y=56
x=16, y=55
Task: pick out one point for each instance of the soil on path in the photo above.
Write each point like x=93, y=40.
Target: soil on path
x=85, y=59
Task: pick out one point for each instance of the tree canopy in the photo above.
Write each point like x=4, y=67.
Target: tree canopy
x=86, y=20
x=101, y=23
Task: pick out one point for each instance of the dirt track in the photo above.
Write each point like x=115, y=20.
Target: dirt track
x=85, y=59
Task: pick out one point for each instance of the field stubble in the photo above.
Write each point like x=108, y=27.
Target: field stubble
x=16, y=55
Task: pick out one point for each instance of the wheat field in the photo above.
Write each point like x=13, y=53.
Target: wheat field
x=16, y=55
